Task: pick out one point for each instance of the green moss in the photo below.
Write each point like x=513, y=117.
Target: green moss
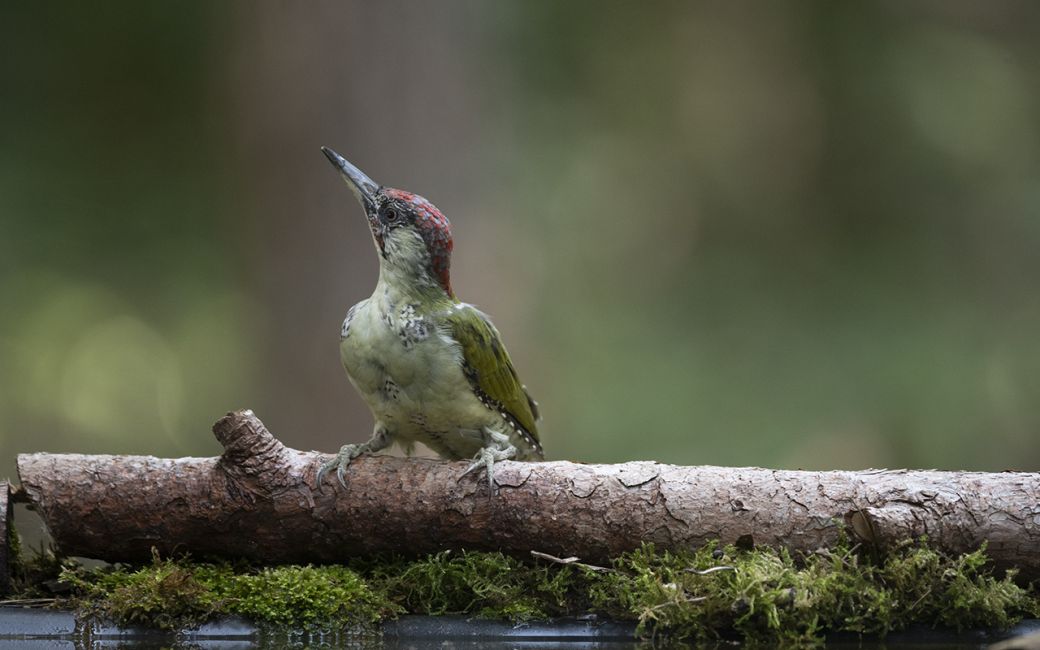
x=31, y=572
x=304, y=597
x=14, y=551
x=167, y=594
x=490, y=585
x=174, y=594
x=769, y=597
x=955, y=592
x=14, y=546
x=759, y=595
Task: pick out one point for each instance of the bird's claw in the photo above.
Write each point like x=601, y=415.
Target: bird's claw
x=340, y=462
x=486, y=458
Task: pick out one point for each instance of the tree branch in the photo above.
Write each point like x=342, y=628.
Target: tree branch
x=258, y=501
x=5, y=524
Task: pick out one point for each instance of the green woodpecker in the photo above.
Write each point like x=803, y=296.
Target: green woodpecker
x=431, y=368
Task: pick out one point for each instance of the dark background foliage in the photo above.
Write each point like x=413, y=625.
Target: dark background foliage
x=795, y=234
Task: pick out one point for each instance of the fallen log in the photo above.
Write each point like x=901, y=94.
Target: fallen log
x=5, y=531
x=259, y=501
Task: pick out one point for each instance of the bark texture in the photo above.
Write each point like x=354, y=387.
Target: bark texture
x=258, y=501
x=5, y=540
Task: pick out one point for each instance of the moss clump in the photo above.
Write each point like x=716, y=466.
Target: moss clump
x=956, y=592
x=33, y=574
x=176, y=594
x=304, y=597
x=490, y=585
x=14, y=547
x=167, y=594
x=769, y=597
x=759, y=595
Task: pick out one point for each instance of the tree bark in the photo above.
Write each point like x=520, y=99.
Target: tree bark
x=5, y=530
x=258, y=501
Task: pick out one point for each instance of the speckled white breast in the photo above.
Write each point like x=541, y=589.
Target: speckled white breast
x=409, y=371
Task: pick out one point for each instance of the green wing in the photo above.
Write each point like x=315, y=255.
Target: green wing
x=489, y=368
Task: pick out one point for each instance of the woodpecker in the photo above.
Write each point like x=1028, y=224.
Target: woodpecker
x=431, y=368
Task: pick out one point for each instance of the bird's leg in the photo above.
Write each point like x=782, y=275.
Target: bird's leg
x=380, y=439
x=496, y=448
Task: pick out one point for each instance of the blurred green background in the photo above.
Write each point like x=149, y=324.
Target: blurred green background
x=782, y=234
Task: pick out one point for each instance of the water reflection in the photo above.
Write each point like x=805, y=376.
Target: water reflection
x=28, y=628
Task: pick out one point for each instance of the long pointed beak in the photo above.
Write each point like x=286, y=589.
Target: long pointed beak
x=363, y=187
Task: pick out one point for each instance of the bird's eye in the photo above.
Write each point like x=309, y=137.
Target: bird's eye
x=390, y=215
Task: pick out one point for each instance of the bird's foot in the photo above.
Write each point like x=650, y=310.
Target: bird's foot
x=497, y=450
x=381, y=438
x=341, y=460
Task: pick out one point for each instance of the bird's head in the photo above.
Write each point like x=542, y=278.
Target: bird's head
x=411, y=235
